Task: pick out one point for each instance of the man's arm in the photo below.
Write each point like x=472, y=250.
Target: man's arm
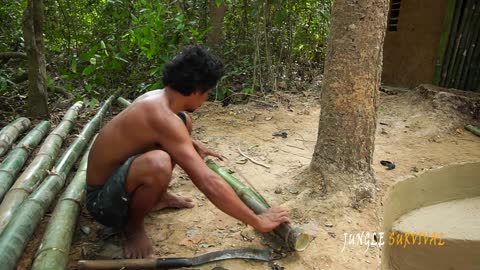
x=176, y=141
x=199, y=147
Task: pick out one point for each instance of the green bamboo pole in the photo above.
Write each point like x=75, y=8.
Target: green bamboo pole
x=473, y=80
x=19, y=230
x=294, y=237
x=450, y=51
x=237, y=186
x=469, y=33
x=15, y=160
x=123, y=102
x=474, y=129
x=472, y=43
x=442, y=44
x=10, y=133
x=457, y=57
x=55, y=247
x=38, y=168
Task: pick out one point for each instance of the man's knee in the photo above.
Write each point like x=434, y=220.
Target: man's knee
x=159, y=162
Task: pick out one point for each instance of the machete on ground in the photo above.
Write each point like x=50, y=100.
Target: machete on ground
x=172, y=263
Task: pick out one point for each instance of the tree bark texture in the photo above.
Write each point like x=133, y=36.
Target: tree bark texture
x=215, y=35
x=346, y=135
x=33, y=19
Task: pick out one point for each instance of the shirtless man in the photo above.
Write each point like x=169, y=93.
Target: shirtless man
x=130, y=164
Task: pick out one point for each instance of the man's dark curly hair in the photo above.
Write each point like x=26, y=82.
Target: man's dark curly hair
x=194, y=68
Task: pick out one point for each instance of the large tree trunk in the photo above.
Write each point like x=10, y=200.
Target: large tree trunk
x=33, y=19
x=215, y=36
x=344, y=150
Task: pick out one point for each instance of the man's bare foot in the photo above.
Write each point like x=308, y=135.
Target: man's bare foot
x=138, y=245
x=170, y=200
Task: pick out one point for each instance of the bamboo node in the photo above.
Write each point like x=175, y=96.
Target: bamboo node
x=49, y=249
x=79, y=201
x=69, y=120
x=25, y=146
x=55, y=133
x=7, y=172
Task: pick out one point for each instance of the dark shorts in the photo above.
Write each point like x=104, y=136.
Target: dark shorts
x=108, y=204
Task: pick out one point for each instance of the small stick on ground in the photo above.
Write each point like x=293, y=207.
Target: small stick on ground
x=295, y=154
x=265, y=103
x=252, y=160
x=295, y=147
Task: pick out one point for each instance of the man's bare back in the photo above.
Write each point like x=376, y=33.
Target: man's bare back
x=129, y=133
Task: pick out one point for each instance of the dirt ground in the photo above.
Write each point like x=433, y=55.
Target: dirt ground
x=411, y=133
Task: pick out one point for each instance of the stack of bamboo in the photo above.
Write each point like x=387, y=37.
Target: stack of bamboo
x=25, y=203
x=24, y=200
x=10, y=133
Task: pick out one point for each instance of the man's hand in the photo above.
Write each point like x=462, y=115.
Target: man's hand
x=203, y=151
x=271, y=219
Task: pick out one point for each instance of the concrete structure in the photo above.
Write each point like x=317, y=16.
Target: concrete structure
x=444, y=201
x=433, y=41
x=409, y=53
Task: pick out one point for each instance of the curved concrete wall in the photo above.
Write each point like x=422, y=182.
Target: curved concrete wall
x=448, y=183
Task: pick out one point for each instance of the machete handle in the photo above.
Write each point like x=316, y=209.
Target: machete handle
x=134, y=264
x=129, y=264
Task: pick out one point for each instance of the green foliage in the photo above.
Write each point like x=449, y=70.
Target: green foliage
x=10, y=28
x=274, y=42
x=105, y=44
x=99, y=46
x=3, y=83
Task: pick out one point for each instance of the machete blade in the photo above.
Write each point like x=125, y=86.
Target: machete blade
x=245, y=253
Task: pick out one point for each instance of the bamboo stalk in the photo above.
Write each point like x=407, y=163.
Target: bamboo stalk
x=472, y=43
x=123, y=102
x=457, y=57
x=38, y=168
x=10, y=133
x=15, y=160
x=445, y=75
x=466, y=44
x=294, y=237
x=474, y=129
x=237, y=186
x=472, y=79
x=443, y=43
x=55, y=247
x=19, y=230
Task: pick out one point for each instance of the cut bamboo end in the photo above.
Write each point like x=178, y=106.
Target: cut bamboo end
x=123, y=102
x=474, y=129
x=10, y=133
x=298, y=240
